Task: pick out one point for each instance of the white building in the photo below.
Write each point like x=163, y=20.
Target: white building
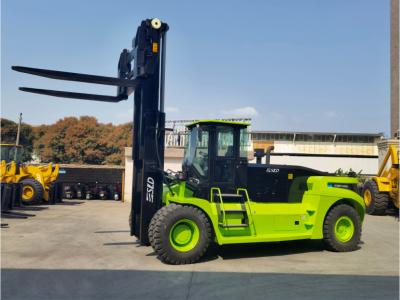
x=325, y=151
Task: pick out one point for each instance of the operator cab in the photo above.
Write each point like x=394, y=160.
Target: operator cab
x=216, y=156
x=11, y=152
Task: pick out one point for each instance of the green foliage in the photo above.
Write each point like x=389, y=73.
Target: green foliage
x=350, y=172
x=9, y=135
x=82, y=140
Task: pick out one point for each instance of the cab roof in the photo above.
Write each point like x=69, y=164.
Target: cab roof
x=222, y=122
x=10, y=145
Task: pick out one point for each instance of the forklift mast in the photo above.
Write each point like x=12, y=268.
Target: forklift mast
x=146, y=79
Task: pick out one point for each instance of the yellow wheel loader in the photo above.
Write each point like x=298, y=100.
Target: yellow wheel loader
x=35, y=180
x=381, y=190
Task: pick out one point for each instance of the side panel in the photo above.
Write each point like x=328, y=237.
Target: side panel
x=277, y=183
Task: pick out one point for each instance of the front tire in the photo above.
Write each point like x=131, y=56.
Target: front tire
x=152, y=227
x=180, y=234
x=376, y=203
x=342, y=229
x=32, y=191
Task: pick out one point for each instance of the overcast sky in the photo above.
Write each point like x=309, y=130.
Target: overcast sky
x=307, y=65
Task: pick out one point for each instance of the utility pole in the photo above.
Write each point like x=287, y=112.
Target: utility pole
x=393, y=139
x=18, y=134
x=394, y=69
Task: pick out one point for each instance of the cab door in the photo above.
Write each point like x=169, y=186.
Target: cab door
x=225, y=154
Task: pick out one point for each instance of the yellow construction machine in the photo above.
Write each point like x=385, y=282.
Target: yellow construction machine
x=383, y=189
x=35, y=179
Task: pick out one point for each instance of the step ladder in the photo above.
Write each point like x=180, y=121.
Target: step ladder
x=218, y=198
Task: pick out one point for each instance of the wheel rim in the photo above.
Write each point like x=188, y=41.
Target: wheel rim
x=184, y=235
x=344, y=229
x=27, y=192
x=367, y=197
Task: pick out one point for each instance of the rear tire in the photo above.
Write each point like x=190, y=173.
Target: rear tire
x=32, y=191
x=342, y=229
x=180, y=234
x=376, y=203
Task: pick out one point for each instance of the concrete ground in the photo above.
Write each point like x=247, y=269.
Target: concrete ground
x=82, y=250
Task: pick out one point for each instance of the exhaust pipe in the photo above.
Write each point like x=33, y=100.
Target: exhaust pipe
x=259, y=154
x=268, y=154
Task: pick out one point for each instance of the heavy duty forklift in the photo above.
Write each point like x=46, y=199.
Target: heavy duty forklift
x=219, y=196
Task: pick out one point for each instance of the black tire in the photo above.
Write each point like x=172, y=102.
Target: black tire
x=379, y=201
x=152, y=226
x=167, y=217
x=331, y=241
x=38, y=191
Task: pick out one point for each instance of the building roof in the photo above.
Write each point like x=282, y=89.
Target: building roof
x=245, y=124
x=331, y=137
x=246, y=120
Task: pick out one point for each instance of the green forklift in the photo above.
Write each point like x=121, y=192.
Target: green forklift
x=218, y=197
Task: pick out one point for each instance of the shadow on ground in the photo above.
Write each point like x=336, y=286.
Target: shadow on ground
x=120, y=244
x=240, y=251
x=30, y=208
x=136, y=284
x=266, y=249
x=393, y=212
x=11, y=214
x=70, y=202
x=111, y=231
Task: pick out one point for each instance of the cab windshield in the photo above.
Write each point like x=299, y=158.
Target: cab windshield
x=10, y=153
x=196, y=151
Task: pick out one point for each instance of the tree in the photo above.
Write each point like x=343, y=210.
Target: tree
x=83, y=140
x=118, y=138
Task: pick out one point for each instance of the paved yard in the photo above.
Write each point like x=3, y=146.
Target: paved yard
x=82, y=250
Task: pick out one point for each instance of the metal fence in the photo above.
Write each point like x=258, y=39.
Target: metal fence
x=179, y=134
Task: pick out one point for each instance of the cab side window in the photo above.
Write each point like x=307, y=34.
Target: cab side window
x=225, y=142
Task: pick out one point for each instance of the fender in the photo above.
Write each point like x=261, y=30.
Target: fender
x=184, y=196
x=329, y=195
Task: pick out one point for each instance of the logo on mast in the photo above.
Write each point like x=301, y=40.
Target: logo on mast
x=150, y=189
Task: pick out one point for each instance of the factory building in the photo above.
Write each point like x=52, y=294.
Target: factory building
x=325, y=151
